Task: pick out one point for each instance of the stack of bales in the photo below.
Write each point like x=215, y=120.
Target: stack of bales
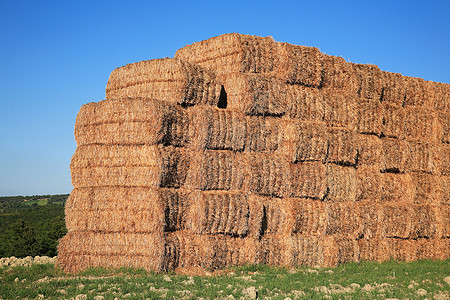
x=243, y=150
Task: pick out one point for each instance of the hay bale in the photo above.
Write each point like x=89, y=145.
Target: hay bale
x=369, y=117
x=420, y=124
x=442, y=94
x=341, y=183
x=426, y=188
x=443, y=155
x=374, y=249
x=215, y=170
x=340, y=108
x=264, y=134
x=342, y=147
x=255, y=94
x=341, y=219
x=278, y=250
x=422, y=157
x=305, y=141
x=445, y=184
x=393, y=121
x=393, y=158
x=395, y=87
x=218, y=212
x=217, y=129
x=418, y=93
x=370, y=149
x=338, y=250
x=444, y=127
x=131, y=122
x=165, y=79
x=396, y=187
x=338, y=74
x=442, y=223
x=308, y=180
x=368, y=184
x=310, y=250
x=369, y=221
x=371, y=81
x=304, y=103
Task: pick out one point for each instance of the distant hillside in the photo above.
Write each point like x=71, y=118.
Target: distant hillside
x=14, y=203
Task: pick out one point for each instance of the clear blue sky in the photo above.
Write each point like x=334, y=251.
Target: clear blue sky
x=57, y=55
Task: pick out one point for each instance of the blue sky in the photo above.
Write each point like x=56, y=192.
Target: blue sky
x=56, y=56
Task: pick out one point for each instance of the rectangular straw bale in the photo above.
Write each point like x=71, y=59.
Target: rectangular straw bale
x=444, y=156
x=341, y=183
x=401, y=249
x=370, y=149
x=340, y=108
x=393, y=121
x=393, y=157
x=442, y=96
x=310, y=217
x=445, y=184
x=373, y=249
x=396, y=188
x=394, y=91
x=216, y=170
x=342, y=147
x=218, y=129
x=368, y=184
x=305, y=141
x=218, y=212
x=422, y=157
x=425, y=221
x=279, y=250
x=338, y=250
x=242, y=251
x=338, y=74
x=442, y=222
x=255, y=94
x=165, y=79
x=131, y=122
x=268, y=174
x=310, y=250
x=233, y=53
x=369, y=117
x=421, y=124
x=434, y=248
x=264, y=134
x=208, y=252
x=342, y=219
x=426, y=188
x=299, y=65
x=418, y=93
x=369, y=219
x=371, y=81
x=444, y=127
x=308, y=180
x=305, y=103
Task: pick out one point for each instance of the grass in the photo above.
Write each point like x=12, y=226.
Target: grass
x=40, y=202
x=367, y=280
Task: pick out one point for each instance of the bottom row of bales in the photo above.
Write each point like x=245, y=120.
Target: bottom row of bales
x=182, y=249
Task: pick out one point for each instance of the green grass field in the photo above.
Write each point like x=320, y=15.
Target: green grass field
x=40, y=202
x=417, y=280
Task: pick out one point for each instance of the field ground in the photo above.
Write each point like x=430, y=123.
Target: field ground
x=368, y=280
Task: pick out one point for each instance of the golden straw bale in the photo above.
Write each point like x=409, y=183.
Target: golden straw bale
x=393, y=157
x=444, y=127
x=165, y=79
x=299, y=65
x=369, y=220
x=216, y=170
x=218, y=212
x=393, y=121
x=305, y=141
x=131, y=122
x=423, y=157
x=374, y=249
x=394, y=91
x=421, y=124
x=340, y=109
x=308, y=180
x=426, y=188
x=341, y=219
x=341, y=183
x=368, y=184
x=279, y=250
x=342, y=147
x=396, y=187
x=418, y=93
x=233, y=53
x=338, y=249
x=371, y=81
x=425, y=220
x=370, y=149
x=264, y=134
x=338, y=74
x=445, y=184
x=310, y=217
x=255, y=94
x=442, y=223
x=310, y=250
x=304, y=103
x=444, y=156
x=218, y=129
x=267, y=174
x=442, y=96
x=434, y=248
x=369, y=117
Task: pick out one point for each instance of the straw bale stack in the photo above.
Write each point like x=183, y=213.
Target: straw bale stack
x=243, y=150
